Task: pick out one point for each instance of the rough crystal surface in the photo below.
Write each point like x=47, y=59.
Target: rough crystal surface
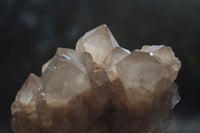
x=99, y=88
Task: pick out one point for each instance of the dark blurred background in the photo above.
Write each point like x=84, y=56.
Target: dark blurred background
x=31, y=30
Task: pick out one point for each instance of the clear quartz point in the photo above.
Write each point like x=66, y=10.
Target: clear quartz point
x=98, y=42
x=140, y=69
x=29, y=89
x=64, y=78
x=167, y=57
x=116, y=55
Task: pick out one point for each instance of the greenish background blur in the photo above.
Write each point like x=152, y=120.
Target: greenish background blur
x=31, y=30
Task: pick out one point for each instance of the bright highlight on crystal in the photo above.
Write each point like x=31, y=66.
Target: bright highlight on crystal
x=100, y=88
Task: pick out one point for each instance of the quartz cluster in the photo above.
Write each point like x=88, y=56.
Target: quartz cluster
x=99, y=88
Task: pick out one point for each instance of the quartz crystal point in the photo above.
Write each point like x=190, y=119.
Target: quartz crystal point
x=167, y=57
x=112, y=59
x=143, y=70
x=63, y=78
x=98, y=42
x=100, y=88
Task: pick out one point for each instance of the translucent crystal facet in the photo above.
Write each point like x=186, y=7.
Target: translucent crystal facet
x=29, y=89
x=143, y=70
x=112, y=59
x=99, y=88
x=167, y=57
x=98, y=42
x=64, y=78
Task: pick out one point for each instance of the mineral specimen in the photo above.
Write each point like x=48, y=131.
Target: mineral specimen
x=99, y=88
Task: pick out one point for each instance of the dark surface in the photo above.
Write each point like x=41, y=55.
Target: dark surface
x=31, y=30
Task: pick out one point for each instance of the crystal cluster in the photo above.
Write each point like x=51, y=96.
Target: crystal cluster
x=99, y=88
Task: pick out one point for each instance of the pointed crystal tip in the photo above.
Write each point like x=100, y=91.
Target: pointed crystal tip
x=98, y=42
